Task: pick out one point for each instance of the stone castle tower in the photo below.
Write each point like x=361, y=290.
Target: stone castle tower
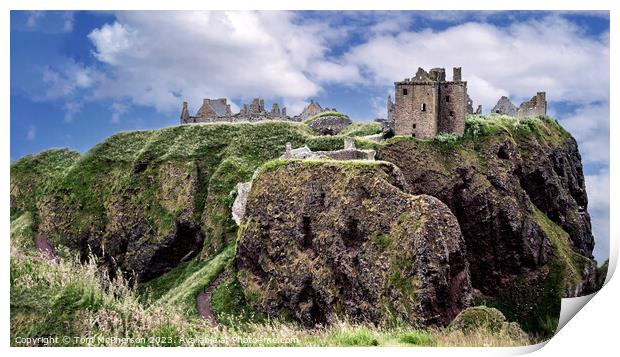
x=427, y=104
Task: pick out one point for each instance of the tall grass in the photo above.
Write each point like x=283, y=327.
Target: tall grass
x=68, y=298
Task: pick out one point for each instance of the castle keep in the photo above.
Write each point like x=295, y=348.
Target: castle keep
x=427, y=104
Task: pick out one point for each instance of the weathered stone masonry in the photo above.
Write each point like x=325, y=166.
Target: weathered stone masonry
x=218, y=110
x=535, y=107
x=427, y=104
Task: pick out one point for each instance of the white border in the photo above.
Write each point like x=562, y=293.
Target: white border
x=590, y=331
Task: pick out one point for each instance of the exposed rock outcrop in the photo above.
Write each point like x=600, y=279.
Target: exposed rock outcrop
x=486, y=320
x=515, y=196
x=328, y=239
x=238, y=207
x=329, y=124
x=128, y=240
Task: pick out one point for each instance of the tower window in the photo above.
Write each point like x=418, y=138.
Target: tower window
x=451, y=113
x=423, y=107
x=405, y=91
x=447, y=99
x=414, y=126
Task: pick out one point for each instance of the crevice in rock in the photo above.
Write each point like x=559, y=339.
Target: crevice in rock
x=307, y=233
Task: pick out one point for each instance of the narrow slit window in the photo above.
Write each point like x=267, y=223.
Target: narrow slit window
x=423, y=107
x=451, y=113
x=414, y=126
x=447, y=99
x=405, y=91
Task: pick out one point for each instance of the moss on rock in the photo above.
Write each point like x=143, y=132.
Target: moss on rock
x=325, y=239
x=487, y=320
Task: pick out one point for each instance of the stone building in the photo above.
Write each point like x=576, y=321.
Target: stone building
x=313, y=108
x=428, y=104
x=535, y=107
x=210, y=111
x=218, y=110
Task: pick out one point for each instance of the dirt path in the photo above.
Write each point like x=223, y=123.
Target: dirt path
x=203, y=300
x=44, y=246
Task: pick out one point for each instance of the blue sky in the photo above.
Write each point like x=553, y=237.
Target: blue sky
x=78, y=77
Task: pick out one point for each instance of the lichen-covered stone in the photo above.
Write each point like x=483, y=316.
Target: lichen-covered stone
x=487, y=319
x=324, y=239
x=238, y=207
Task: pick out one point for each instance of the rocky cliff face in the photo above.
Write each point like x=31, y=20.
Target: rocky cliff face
x=328, y=239
x=518, y=193
x=146, y=201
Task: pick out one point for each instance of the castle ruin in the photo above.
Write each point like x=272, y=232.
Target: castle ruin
x=535, y=107
x=428, y=104
x=218, y=110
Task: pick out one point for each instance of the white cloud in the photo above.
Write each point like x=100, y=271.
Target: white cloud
x=589, y=124
x=68, y=20
x=159, y=59
x=118, y=109
x=68, y=79
x=71, y=108
x=50, y=21
x=598, y=206
x=33, y=18
x=112, y=42
x=31, y=134
x=328, y=72
x=550, y=54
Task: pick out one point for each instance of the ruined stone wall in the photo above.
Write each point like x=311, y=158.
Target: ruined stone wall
x=504, y=106
x=452, y=107
x=348, y=154
x=185, y=117
x=537, y=106
x=218, y=110
x=205, y=112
